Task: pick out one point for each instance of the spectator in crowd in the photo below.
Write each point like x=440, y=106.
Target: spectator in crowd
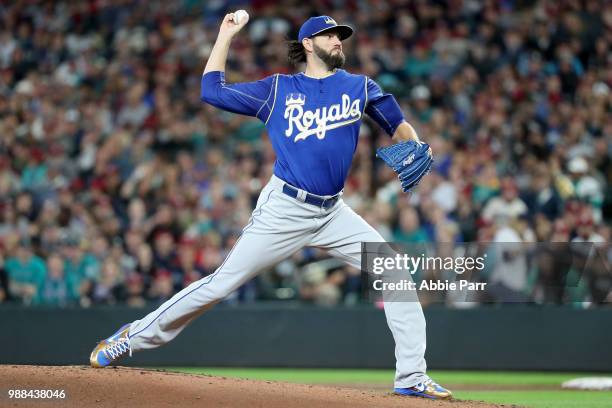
x=81, y=268
x=135, y=291
x=506, y=207
x=162, y=287
x=542, y=197
x=587, y=188
x=166, y=258
x=26, y=272
x=109, y=289
x=509, y=264
x=56, y=290
x=188, y=269
x=409, y=229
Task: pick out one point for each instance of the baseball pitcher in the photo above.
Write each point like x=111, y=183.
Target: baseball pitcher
x=313, y=120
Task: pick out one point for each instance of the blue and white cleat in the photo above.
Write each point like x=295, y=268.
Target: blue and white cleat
x=426, y=389
x=112, y=349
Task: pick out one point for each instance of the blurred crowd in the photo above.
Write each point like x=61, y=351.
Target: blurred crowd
x=118, y=186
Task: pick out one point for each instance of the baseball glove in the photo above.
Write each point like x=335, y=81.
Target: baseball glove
x=411, y=161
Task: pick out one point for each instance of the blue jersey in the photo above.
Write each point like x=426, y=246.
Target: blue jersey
x=313, y=124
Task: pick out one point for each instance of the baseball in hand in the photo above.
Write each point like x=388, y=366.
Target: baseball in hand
x=240, y=16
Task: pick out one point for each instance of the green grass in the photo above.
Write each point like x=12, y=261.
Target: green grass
x=530, y=398
x=505, y=377
x=542, y=399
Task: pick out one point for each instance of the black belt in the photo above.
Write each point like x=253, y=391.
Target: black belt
x=311, y=198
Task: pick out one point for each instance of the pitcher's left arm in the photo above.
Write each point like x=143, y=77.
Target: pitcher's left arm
x=384, y=110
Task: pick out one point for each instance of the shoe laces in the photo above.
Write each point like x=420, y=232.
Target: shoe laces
x=431, y=382
x=117, y=348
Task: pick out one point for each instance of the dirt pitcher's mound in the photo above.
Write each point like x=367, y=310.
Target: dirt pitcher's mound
x=128, y=387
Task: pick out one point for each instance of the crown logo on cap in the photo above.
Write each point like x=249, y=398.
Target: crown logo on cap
x=329, y=20
x=295, y=99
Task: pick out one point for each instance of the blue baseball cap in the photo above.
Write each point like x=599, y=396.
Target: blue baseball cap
x=320, y=24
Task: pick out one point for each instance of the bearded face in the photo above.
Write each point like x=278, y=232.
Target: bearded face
x=332, y=59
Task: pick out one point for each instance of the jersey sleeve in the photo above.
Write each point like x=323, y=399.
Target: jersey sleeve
x=246, y=98
x=383, y=108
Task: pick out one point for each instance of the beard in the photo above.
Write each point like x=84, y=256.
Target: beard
x=332, y=61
